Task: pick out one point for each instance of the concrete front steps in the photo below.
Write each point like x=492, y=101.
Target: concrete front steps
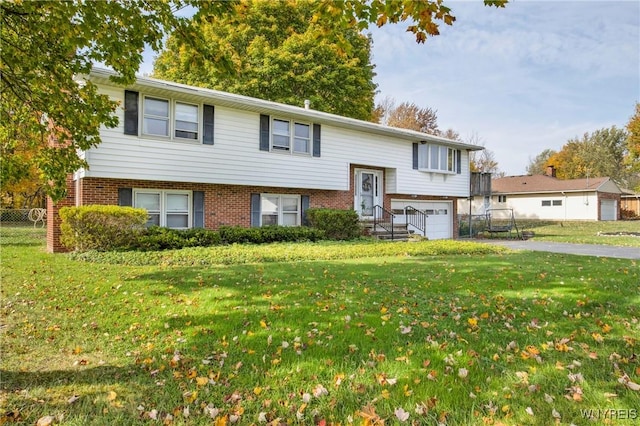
x=400, y=231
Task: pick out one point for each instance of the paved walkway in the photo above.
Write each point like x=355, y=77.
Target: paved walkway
x=567, y=248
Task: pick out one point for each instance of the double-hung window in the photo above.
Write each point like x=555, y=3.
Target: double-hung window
x=178, y=120
x=283, y=139
x=281, y=210
x=437, y=158
x=156, y=117
x=186, y=121
x=164, y=207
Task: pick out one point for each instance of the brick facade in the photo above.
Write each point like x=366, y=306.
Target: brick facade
x=609, y=196
x=224, y=205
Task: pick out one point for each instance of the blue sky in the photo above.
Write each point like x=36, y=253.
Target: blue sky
x=521, y=79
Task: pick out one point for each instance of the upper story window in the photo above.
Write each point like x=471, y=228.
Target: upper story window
x=277, y=134
x=168, y=118
x=156, y=117
x=437, y=158
x=159, y=119
x=282, y=138
x=186, y=122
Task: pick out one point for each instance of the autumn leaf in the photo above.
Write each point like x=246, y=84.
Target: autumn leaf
x=368, y=413
x=401, y=415
x=626, y=380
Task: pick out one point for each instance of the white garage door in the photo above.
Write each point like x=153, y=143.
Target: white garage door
x=608, y=210
x=439, y=216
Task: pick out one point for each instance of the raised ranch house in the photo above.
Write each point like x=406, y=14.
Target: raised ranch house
x=549, y=198
x=195, y=157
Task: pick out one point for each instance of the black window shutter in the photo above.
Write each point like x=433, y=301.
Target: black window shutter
x=207, y=124
x=255, y=210
x=131, y=112
x=304, y=205
x=415, y=156
x=264, y=132
x=316, y=140
x=198, y=209
x=125, y=197
x=458, y=161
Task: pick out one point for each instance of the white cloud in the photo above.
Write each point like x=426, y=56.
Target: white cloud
x=524, y=78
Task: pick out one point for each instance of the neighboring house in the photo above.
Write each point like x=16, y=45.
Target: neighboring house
x=195, y=157
x=546, y=197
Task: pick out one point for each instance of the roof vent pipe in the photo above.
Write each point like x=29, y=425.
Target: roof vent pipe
x=307, y=104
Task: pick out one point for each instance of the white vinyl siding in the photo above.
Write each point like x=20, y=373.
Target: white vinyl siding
x=165, y=208
x=237, y=159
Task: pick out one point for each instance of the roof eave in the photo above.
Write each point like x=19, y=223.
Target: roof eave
x=249, y=103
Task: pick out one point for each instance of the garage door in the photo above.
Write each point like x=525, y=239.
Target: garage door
x=608, y=210
x=439, y=216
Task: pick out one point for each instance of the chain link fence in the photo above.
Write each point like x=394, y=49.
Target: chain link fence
x=469, y=226
x=23, y=226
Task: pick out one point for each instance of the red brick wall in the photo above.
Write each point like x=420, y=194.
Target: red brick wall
x=53, y=218
x=609, y=196
x=224, y=204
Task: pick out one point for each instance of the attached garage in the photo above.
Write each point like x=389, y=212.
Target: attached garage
x=439, y=216
x=608, y=210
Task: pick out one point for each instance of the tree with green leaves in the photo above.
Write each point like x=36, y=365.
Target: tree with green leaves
x=279, y=53
x=633, y=141
x=48, y=45
x=601, y=153
x=538, y=165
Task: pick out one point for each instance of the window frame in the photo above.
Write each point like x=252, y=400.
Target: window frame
x=171, y=119
x=436, y=158
x=164, y=212
x=198, y=122
x=502, y=198
x=144, y=117
x=280, y=212
x=291, y=147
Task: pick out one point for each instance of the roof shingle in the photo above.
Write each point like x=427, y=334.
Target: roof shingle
x=542, y=183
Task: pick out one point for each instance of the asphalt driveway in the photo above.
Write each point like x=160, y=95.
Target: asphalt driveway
x=567, y=248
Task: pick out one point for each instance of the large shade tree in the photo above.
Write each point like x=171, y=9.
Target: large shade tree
x=280, y=53
x=539, y=164
x=46, y=45
x=602, y=153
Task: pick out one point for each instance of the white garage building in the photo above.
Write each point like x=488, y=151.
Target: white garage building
x=549, y=198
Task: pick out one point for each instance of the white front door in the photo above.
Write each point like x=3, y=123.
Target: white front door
x=368, y=192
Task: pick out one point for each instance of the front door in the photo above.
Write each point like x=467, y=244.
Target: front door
x=368, y=192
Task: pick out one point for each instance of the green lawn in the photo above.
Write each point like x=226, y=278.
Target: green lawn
x=610, y=233
x=434, y=332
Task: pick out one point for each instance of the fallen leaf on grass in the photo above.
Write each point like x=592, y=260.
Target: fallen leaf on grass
x=626, y=380
x=402, y=415
x=45, y=421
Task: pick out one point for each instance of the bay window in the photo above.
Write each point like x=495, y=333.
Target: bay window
x=437, y=158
